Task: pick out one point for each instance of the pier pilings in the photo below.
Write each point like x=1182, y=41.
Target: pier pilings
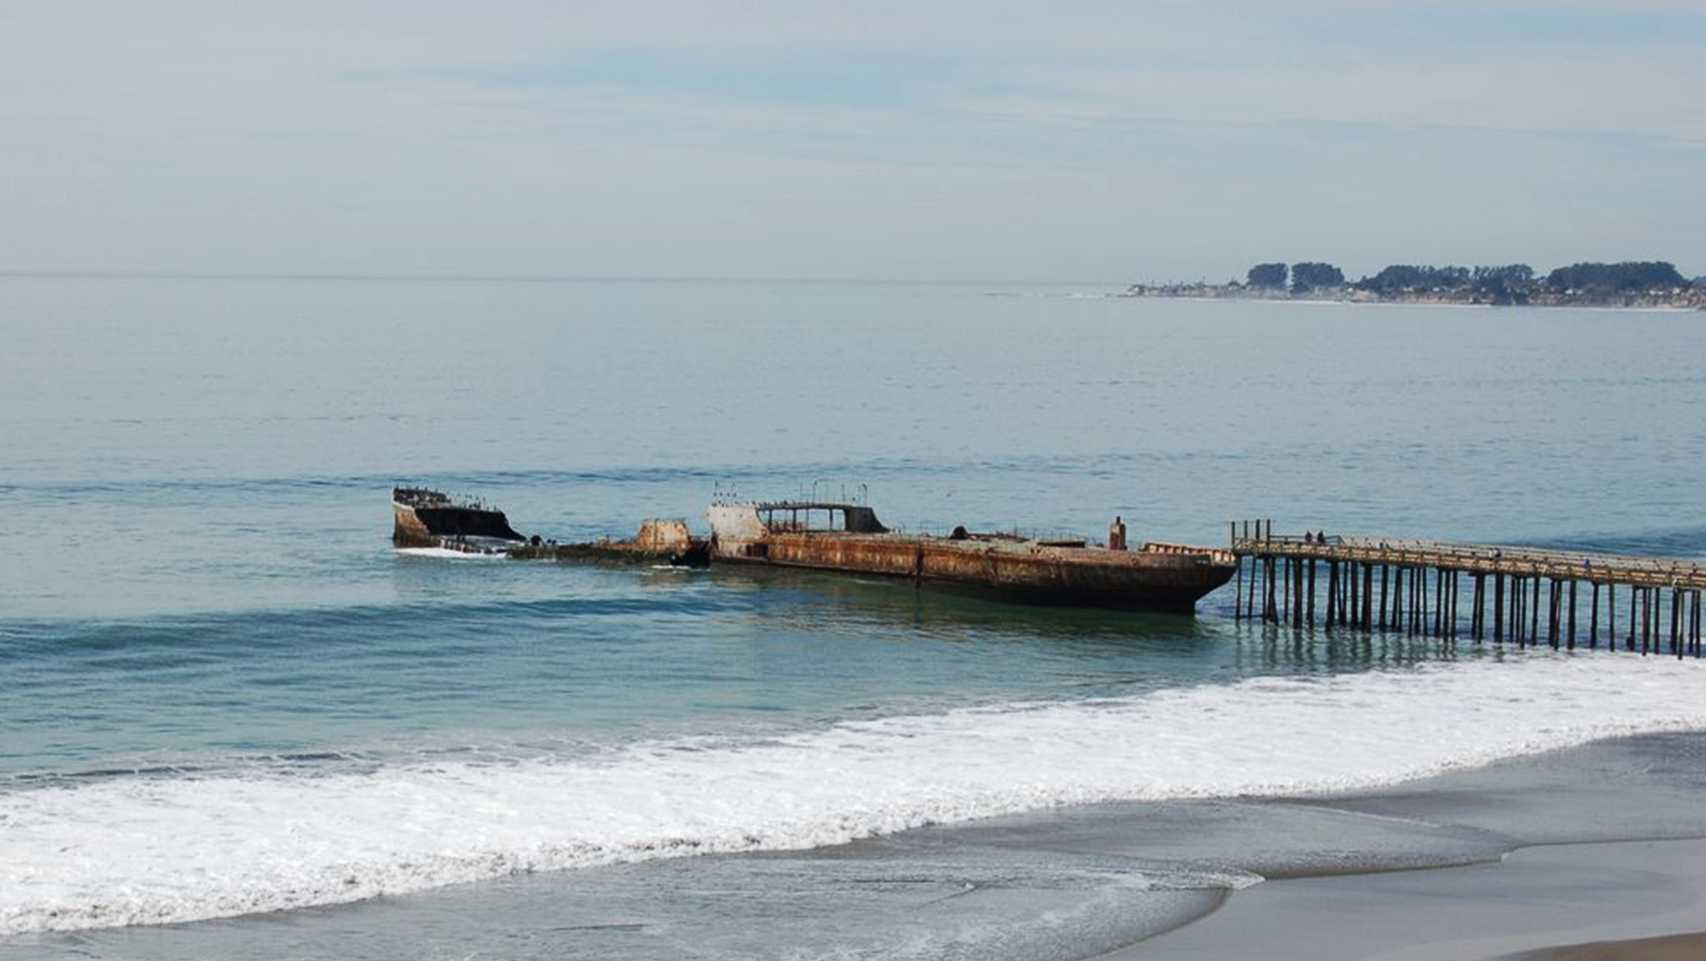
x=1418, y=591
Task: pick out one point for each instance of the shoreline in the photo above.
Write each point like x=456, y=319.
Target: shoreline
x=1354, y=302
x=1669, y=947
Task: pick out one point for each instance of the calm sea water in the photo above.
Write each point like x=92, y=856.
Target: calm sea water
x=222, y=692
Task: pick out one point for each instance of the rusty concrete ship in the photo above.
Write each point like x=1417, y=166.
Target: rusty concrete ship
x=849, y=538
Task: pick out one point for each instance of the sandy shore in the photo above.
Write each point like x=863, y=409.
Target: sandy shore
x=1680, y=947
x=1671, y=947
x=1594, y=898
x=1596, y=852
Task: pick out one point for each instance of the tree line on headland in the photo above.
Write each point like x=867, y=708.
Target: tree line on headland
x=1630, y=283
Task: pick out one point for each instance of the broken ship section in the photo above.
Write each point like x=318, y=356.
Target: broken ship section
x=422, y=517
x=658, y=541
x=845, y=537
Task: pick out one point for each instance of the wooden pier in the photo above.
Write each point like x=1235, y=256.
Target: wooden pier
x=1520, y=595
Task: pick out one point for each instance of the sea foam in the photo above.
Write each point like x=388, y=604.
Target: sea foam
x=450, y=554
x=143, y=850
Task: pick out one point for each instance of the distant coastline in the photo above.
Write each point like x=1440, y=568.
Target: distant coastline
x=1630, y=284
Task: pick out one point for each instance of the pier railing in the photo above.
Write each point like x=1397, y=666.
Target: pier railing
x=1513, y=559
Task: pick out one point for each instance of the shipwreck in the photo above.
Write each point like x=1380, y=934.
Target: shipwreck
x=847, y=537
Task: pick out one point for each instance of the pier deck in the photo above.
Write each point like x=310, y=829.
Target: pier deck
x=1530, y=595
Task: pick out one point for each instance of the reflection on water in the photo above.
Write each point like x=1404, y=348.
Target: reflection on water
x=948, y=614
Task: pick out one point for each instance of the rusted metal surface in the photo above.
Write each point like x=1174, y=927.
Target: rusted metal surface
x=1169, y=578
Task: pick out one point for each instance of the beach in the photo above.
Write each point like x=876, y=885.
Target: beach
x=1610, y=865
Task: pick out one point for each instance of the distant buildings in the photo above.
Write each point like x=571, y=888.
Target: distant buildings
x=1626, y=284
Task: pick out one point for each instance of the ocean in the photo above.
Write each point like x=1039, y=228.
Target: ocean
x=234, y=722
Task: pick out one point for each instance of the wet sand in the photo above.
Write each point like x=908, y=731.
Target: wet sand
x=1601, y=853
x=1680, y=947
x=1535, y=898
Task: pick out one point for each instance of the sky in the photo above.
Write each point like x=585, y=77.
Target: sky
x=951, y=141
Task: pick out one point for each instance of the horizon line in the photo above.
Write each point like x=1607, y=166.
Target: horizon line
x=540, y=278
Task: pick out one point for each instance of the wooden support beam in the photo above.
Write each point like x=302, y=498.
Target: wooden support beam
x=1519, y=592
x=1456, y=595
x=1534, y=613
x=1397, y=597
x=1358, y=573
x=1238, y=588
x=1409, y=601
x=1385, y=571
x=1499, y=608
x=1450, y=605
x=1346, y=609
x=1410, y=613
x=1367, y=596
x=1675, y=622
x=1476, y=583
x=1646, y=618
x=1422, y=599
x=1262, y=571
x=1271, y=611
x=1445, y=604
x=1593, y=617
x=1694, y=620
x=1553, y=590
x=1442, y=620
x=1268, y=589
x=1250, y=606
x=1439, y=599
x=1297, y=595
x=1331, y=567
x=1419, y=601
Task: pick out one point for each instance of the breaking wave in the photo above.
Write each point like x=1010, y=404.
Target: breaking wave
x=209, y=843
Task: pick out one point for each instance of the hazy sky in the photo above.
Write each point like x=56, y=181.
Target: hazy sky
x=1110, y=141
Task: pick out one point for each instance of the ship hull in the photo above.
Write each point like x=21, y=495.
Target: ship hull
x=697, y=554
x=1031, y=574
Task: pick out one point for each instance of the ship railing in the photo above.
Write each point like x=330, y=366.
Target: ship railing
x=1217, y=555
x=1017, y=535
